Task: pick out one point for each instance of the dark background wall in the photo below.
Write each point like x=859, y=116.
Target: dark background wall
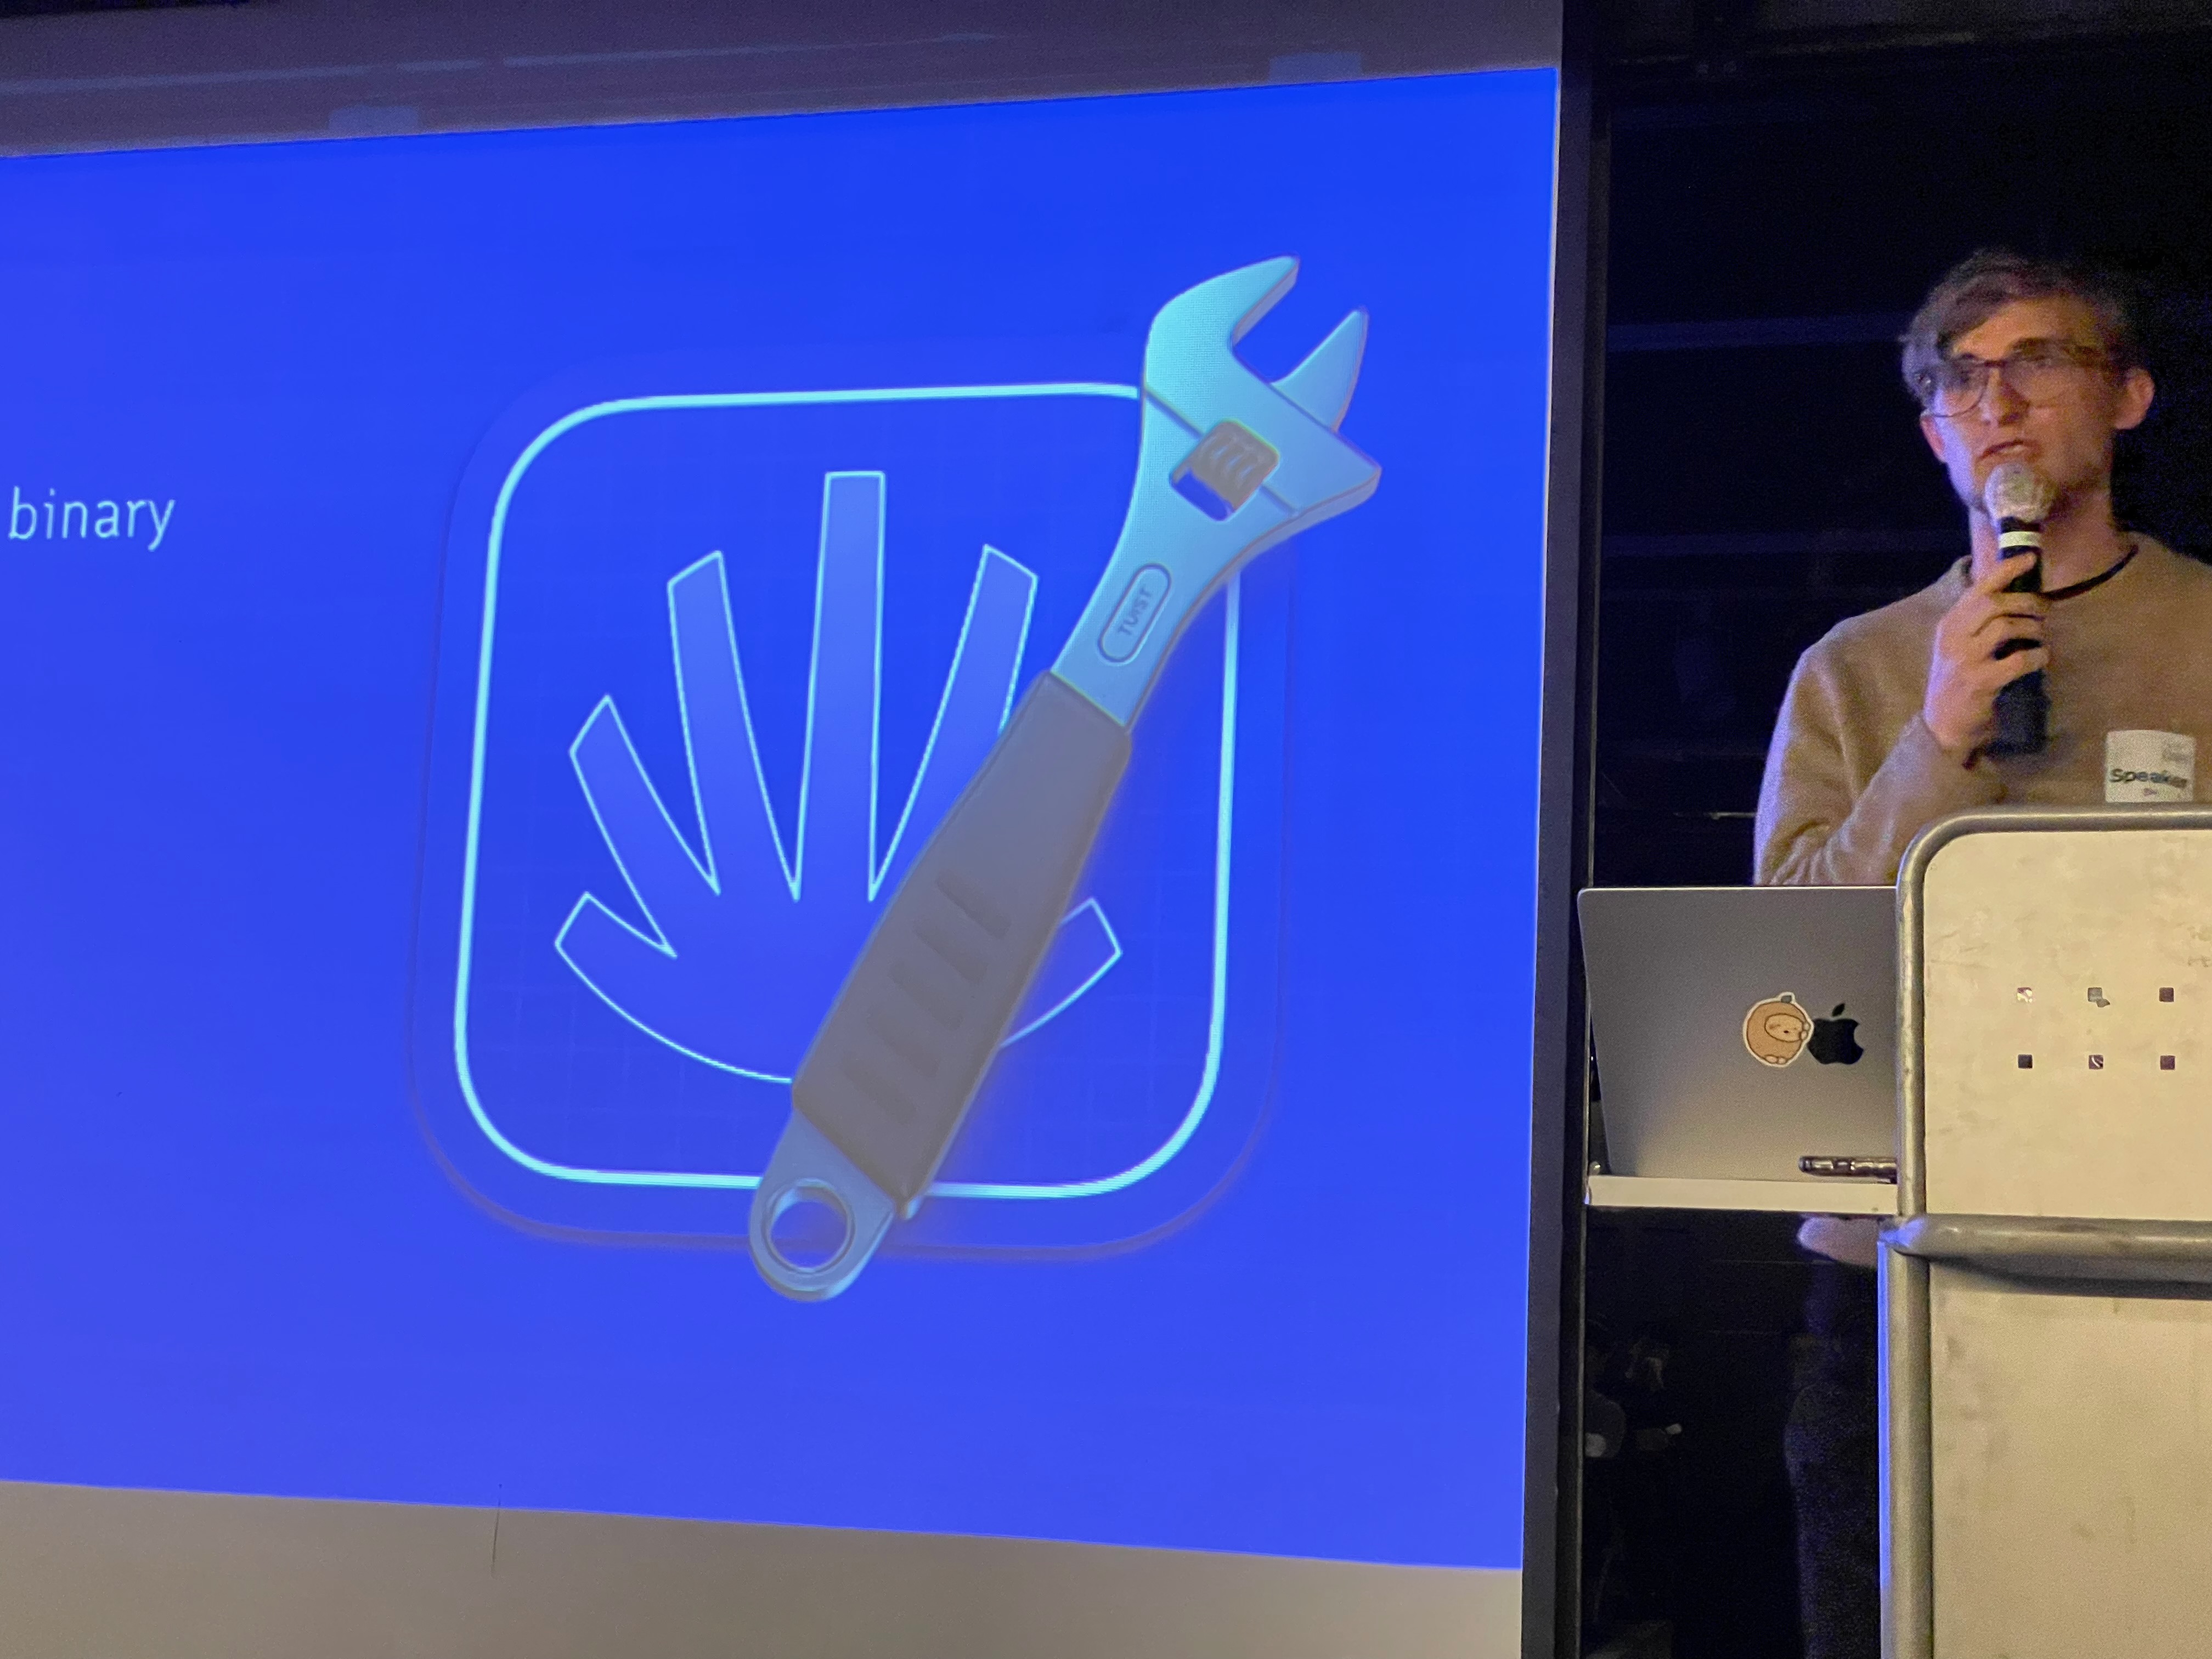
x=1784, y=183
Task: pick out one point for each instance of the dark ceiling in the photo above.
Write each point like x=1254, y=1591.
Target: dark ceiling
x=1723, y=38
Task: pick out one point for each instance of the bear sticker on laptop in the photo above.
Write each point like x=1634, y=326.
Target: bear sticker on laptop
x=1778, y=1031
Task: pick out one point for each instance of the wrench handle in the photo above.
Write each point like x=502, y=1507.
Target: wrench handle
x=895, y=1065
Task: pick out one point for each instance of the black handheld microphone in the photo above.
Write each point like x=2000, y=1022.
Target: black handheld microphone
x=2017, y=500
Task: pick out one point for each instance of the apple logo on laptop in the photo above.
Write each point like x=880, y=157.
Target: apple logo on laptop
x=1835, y=1040
x=1778, y=1029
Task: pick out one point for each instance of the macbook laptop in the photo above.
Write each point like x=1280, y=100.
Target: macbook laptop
x=1744, y=1033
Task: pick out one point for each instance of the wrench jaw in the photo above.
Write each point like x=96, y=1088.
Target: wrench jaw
x=1179, y=544
x=1322, y=384
x=1193, y=372
x=1217, y=313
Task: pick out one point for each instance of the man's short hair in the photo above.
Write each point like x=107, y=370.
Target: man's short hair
x=1984, y=282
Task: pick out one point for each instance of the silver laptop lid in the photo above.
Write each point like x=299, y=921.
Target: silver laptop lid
x=1741, y=1028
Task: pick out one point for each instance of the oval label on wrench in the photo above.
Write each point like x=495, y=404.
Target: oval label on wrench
x=1134, y=617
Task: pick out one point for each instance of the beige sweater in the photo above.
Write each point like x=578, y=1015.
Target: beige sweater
x=1854, y=775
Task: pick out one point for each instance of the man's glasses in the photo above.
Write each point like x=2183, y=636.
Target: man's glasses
x=2040, y=372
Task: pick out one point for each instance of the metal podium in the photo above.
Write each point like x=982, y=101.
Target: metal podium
x=2047, y=1287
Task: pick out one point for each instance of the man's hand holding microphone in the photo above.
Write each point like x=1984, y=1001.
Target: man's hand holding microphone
x=1984, y=676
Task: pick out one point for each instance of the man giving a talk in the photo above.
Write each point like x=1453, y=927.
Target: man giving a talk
x=1887, y=727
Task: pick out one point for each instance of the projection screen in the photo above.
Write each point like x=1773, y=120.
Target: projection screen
x=496, y=620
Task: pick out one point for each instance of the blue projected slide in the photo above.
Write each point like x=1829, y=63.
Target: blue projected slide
x=681, y=918
x=493, y=622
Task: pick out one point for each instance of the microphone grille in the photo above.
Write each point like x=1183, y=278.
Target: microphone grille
x=2016, y=490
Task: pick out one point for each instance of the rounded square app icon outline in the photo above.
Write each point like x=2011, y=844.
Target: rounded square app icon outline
x=1197, y=1158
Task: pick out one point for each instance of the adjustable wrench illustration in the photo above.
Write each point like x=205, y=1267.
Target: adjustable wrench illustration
x=1229, y=464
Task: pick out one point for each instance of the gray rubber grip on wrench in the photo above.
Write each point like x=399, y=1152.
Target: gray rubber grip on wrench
x=892, y=1070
